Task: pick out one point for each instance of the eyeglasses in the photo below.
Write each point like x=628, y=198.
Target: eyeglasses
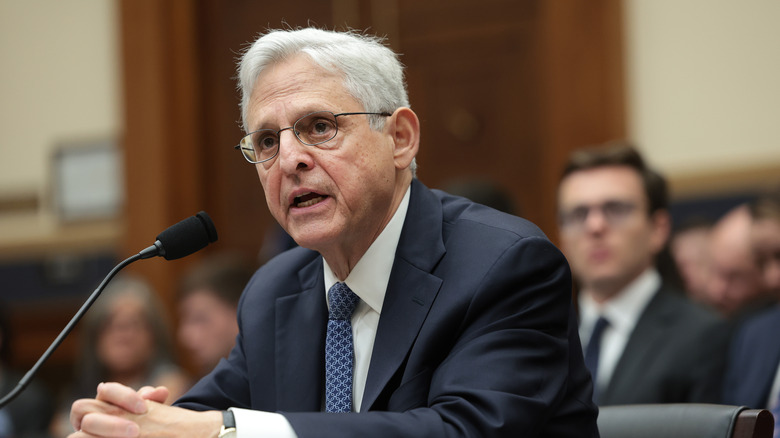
x=313, y=129
x=614, y=213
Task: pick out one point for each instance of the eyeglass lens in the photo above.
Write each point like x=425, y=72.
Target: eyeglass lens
x=614, y=213
x=311, y=129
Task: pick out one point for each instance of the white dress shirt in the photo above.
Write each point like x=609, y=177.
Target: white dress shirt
x=622, y=311
x=368, y=280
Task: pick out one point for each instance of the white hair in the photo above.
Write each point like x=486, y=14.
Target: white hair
x=372, y=72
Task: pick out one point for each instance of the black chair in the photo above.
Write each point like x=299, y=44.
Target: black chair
x=684, y=420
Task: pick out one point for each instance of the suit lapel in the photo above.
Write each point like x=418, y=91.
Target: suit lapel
x=410, y=291
x=639, y=348
x=301, y=321
x=763, y=365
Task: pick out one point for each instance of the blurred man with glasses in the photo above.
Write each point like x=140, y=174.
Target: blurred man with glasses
x=461, y=316
x=643, y=342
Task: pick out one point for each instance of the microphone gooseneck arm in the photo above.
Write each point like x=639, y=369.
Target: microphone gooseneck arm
x=179, y=240
x=68, y=328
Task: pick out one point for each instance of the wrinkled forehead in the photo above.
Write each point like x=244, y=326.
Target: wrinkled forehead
x=294, y=87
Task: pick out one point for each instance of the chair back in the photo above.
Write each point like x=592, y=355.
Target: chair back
x=684, y=420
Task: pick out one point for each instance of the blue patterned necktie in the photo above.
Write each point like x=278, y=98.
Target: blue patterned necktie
x=593, y=350
x=339, y=351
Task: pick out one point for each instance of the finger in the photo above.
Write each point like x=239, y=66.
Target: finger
x=109, y=426
x=80, y=434
x=122, y=396
x=82, y=407
x=158, y=394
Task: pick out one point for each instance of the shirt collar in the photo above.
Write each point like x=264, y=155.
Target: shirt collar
x=369, y=278
x=625, y=308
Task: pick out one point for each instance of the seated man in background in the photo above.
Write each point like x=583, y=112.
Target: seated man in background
x=447, y=318
x=753, y=373
x=208, y=300
x=645, y=342
x=734, y=285
x=689, y=246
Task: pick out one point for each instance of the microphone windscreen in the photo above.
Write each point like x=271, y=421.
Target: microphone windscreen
x=188, y=236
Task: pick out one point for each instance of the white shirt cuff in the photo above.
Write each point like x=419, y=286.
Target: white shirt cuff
x=260, y=424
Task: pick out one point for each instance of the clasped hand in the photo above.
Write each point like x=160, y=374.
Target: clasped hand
x=120, y=412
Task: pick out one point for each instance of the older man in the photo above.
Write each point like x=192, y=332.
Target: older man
x=735, y=287
x=447, y=318
x=753, y=372
x=646, y=342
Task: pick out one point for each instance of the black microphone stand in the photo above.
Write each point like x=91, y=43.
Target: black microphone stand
x=68, y=328
x=182, y=239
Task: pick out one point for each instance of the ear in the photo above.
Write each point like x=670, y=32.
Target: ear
x=662, y=228
x=405, y=132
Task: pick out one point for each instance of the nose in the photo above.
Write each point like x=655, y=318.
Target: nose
x=293, y=155
x=595, y=221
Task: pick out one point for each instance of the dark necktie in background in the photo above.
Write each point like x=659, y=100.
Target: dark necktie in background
x=593, y=351
x=339, y=349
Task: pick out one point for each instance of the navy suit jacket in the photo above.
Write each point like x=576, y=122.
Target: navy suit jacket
x=675, y=354
x=753, y=360
x=477, y=336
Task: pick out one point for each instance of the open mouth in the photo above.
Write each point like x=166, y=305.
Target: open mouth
x=308, y=199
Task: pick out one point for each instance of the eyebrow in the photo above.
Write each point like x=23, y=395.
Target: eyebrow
x=299, y=114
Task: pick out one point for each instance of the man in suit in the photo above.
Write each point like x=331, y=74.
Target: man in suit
x=207, y=302
x=734, y=287
x=463, y=324
x=753, y=371
x=646, y=343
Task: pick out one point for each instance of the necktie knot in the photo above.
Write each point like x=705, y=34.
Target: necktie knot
x=598, y=328
x=342, y=301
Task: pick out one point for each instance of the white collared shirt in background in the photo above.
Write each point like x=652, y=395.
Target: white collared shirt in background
x=622, y=311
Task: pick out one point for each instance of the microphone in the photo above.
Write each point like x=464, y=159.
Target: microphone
x=179, y=240
x=183, y=238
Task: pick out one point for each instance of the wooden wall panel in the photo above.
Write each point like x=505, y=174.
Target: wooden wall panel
x=162, y=146
x=504, y=89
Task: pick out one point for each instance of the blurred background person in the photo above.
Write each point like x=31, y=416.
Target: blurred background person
x=765, y=238
x=125, y=337
x=689, y=247
x=28, y=415
x=644, y=342
x=208, y=299
x=735, y=287
x=753, y=373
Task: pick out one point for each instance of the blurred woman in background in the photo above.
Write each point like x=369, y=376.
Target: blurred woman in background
x=124, y=338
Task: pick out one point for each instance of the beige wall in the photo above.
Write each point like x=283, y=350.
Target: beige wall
x=703, y=85
x=59, y=83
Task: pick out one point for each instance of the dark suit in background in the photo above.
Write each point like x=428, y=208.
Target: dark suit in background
x=476, y=330
x=753, y=360
x=614, y=220
x=675, y=354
